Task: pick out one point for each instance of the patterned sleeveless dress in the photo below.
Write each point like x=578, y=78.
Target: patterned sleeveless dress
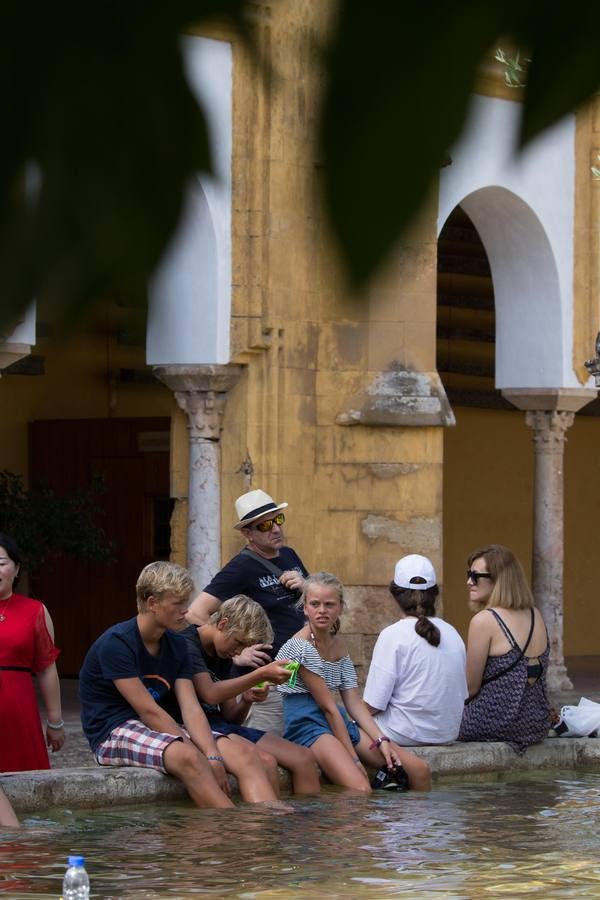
x=508, y=708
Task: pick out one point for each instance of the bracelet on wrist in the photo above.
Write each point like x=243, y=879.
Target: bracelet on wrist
x=55, y=725
x=377, y=743
x=216, y=758
x=357, y=761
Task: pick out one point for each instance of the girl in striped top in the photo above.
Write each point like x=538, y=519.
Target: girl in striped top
x=343, y=739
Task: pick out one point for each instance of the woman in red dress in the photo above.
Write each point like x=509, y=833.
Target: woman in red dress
x=26, y=647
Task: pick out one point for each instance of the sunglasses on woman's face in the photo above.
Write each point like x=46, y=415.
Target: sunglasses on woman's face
x=267, y=525
x=475, y=576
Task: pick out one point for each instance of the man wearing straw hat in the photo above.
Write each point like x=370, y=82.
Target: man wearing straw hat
x=268, y=572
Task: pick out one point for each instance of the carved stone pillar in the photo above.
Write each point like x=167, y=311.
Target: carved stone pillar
x=549, y=427
x=549, y=413
x=201, y=392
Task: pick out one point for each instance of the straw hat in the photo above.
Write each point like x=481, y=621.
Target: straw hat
x=254, y=505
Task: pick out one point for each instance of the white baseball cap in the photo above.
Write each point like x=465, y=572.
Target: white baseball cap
x=414, y=566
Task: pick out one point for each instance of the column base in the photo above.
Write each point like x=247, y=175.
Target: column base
x=557, y=679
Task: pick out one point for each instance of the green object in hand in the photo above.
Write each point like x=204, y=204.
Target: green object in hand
x=293, y=668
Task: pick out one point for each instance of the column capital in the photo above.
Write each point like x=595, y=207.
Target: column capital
x=209, y=377
x=201, y=392
x=549, y=426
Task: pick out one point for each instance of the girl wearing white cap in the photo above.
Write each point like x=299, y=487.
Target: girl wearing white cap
x=416, y=686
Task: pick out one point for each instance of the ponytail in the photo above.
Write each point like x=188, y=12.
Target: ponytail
x=426, y=629
x=422, y=605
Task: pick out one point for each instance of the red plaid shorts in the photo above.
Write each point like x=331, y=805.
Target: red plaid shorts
x=133, y=744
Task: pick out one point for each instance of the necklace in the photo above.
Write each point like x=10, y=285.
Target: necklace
x=3, y=613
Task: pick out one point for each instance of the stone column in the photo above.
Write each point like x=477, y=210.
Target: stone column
x=549, y=413
x=549, y=427
x=201, y=392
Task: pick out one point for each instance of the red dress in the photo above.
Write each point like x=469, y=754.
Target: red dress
x=25, y=647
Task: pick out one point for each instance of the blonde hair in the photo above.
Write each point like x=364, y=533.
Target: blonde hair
x=247, y=616
x=510, y=590
x=158, y=578
x=325, y=579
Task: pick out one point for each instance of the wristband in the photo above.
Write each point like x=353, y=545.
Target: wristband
x=216, y=758
x=377, y=743
x=55, y=725
x=357, y=761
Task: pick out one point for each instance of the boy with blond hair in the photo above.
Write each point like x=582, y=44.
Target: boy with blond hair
x=238, y=623
x=129, y=675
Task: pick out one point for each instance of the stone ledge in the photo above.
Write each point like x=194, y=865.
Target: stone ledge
x=88, y=788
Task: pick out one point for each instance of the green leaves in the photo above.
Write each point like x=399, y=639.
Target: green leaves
x=400, y=75
x=95, y=104
x=99, y=106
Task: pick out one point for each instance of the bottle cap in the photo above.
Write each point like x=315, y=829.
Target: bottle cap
x=76, y=860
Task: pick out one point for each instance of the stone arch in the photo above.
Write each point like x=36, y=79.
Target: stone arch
x=530, y=331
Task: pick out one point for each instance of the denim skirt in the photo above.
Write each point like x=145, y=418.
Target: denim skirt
x=305, y=721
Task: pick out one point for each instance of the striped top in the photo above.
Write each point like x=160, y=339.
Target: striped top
x=338, y=676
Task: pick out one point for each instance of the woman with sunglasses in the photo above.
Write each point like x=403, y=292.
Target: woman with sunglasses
x=507, y=654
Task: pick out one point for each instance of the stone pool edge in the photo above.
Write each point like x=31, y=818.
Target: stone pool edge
x=96, y=787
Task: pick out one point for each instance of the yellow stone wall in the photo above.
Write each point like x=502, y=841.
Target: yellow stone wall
x=359, y=496
x=488, y=488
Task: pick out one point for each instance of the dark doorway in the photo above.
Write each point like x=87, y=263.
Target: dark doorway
x=132, y=457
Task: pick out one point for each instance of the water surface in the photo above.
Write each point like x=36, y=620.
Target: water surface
x=519, y=837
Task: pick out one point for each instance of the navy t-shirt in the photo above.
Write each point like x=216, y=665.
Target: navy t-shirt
x=201, y=661
x=245, y=575
x=120, y=653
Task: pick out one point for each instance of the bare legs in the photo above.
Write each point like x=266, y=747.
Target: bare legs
x=7, y=813
x=184, y=761
x=298, y=760
x=417, y=770
x=339, y=767
x=256, y=772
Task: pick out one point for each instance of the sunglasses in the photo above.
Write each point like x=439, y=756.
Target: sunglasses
x=475, y=576
x=267, y=525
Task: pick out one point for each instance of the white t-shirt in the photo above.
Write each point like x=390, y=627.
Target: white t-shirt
x=419, y=688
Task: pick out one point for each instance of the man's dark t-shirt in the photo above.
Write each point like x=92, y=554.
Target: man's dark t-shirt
x=245, y=575
x=120, y=653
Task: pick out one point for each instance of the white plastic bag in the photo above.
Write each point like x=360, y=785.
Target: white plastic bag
x=581, y=720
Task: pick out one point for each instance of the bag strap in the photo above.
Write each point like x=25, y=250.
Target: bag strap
x=266, y=563
x=519, y=657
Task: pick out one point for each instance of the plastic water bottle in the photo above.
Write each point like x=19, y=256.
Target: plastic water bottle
x=76, y=884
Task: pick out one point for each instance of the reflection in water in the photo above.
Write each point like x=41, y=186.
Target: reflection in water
x=529, y=836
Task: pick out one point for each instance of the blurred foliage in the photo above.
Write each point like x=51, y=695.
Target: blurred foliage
x=45, y=524
x=399, y=80
x=101, y=135
x=97, y=112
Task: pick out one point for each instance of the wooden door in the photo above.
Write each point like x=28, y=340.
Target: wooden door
x=131, y=455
